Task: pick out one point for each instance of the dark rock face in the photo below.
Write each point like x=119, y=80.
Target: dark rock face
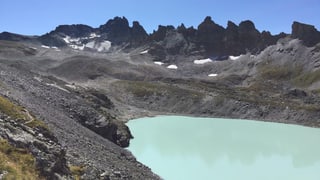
x=161, y=33
x=117, y=30
x=76, y=30
x=211, y=39
x=210, y=35
x=13, y=37
x=138, y=34
x=307, y=33
x=51, y=39
x=249, y=36
x=231, y=39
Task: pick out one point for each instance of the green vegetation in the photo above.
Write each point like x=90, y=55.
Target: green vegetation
x=146, y=89
x=294, y=73
x=18, y=163
x=77, y=171
x=307, y=78
x=17, y=112
x=279, y=72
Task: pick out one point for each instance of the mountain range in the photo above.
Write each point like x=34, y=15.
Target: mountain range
x=65, y=96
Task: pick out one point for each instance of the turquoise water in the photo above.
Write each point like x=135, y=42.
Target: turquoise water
x=177, y=147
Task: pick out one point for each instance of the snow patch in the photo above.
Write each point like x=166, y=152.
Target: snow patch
x=58, y=87
x=172, y=66
x=55, y=48
x=44, y=46
x=104, y=46
x=144, y=52
x=90, y=44
x=158, y=63
x=69, y=40
x=213, y=75
x=93, y=35
x=77, y=47
x=202, y=61
x=48, y=47
x=233, y=58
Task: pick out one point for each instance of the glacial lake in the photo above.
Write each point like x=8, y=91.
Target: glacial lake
x=182, y=148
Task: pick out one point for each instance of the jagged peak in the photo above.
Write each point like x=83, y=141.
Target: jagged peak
x=74, y=30
x=231, y=26
x=136, y=24
x=208, y=19
x=182, y=27
x=308, y=33
x=208, y=23
x=118, y=19
x=247, y=25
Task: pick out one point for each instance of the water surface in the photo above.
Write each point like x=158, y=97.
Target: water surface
x=177, y=147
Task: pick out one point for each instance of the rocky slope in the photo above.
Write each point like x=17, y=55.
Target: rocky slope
x=86, y=82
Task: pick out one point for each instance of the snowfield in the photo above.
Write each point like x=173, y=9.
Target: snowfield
x=202, y=61
x=233, y=58
x=144, y=52
x=93, y=35
x=213, y=75
x=69, y=40
x=172, y=66
x=158, y=63
x=76, y=47
x=102, y=46
x=44, y=46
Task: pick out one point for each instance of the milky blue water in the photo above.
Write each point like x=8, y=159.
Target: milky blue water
x=177, y=147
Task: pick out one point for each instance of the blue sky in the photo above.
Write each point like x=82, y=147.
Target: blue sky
x=36, y=17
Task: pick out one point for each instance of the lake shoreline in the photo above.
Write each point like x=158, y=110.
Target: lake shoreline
x=257, y=145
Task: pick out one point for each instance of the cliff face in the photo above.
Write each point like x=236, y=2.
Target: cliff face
x=211, y=39
x=24, y=135
x=307, y=33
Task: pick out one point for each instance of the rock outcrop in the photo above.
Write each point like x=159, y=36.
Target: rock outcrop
x=117, y=30
x=49, y=155
x=307, y=33
x=212, y=40
x=75, y=30
x=210, y=35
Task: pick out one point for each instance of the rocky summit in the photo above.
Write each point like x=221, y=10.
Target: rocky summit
x=65, y=96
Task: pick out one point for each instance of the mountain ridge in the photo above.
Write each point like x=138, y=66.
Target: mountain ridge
x=209, y=38
x=84, y=83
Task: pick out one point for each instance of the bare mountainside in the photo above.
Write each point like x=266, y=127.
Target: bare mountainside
x=78, y=85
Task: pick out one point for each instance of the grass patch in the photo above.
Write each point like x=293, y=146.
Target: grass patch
x=18, y=112
x=77, y=171
x=146, y=89
x=307, y=79
x=17, y=163
x=279, y=72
